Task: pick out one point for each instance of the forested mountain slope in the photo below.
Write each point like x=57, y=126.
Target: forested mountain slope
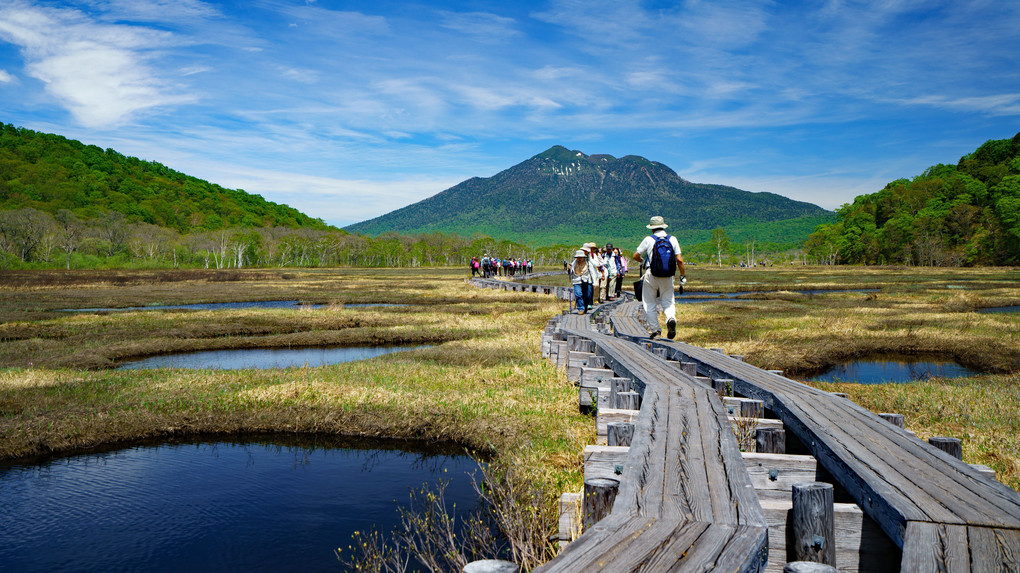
x=963, y=214
x=565, y=196
x=50, y=172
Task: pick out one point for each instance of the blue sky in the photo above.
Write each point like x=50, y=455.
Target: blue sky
x=349, y=109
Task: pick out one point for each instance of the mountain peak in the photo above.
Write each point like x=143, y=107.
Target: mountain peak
x=561, y=154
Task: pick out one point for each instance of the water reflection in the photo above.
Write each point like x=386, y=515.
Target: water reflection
x=691, y=297
x=263, y=358
x=998, y=309
x=251, y=506
x=893, y=370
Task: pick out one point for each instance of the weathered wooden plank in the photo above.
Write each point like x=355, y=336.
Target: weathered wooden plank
x=602, y=461
x=606, y=415
x=778, y=472
x=994, y=549
x=935, y=547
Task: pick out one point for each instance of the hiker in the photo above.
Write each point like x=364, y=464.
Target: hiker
x=621, y=271
x=594, y=274
x=581, y=279
x=609, y=285
x=600, y=266
x=475, y=265
x=659, y=254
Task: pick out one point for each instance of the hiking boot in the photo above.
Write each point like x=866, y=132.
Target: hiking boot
x=654, y=334
x=671, y=328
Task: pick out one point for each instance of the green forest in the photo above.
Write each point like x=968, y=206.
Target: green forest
x=950, y=215
x=49, y=172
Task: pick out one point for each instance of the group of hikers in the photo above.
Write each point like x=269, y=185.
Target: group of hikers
x=491, y=266
x=597, y=275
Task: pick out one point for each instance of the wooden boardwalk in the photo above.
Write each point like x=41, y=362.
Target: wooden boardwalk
x=686, y=500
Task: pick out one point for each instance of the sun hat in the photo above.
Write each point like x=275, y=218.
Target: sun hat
x=580, y=253
x=657, y=223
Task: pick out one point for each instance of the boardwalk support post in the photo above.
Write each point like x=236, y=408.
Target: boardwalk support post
x=895, y=419
x=619, y=433
x=770, y=441
x=599, y=495
x=814, y=530
x=952, y=446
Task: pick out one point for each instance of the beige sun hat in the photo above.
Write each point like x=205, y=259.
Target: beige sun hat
x=657, y=223
x=580, y=253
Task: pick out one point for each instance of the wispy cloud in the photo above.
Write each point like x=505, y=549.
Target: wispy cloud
x=101, y=72
x=6, y=78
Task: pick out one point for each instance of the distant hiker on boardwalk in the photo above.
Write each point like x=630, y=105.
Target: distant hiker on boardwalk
x=659, y=253
x=595, y=258
x=475, y=267
x=581, y=279
x=609, y=285
x=621, y=271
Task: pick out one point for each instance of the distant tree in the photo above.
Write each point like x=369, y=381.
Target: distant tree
x=71, y=232
x=721, y=241
x=23, y=231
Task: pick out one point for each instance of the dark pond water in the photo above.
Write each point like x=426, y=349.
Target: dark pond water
x=254, y=506
x=998, y=309
x=229, y=306
x=692, y=297
x=885, y=371
x=263, y=358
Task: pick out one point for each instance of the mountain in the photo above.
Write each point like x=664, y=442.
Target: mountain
x=565, y=196
x=50, y=172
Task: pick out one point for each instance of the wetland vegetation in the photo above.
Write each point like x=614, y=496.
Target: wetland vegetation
x=481, y=383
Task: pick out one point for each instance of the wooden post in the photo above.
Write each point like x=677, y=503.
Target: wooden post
x=659, y=351
x=723, y=386
x=952, y=446
x=770, y=441
x=895, y=419
x=689, y=368
x=585, y=345
x=619, y=433
x=616, y=386
x=599, y=494
x=596, y=362
x=628, y=401
x=752, y=409
x=813, y=523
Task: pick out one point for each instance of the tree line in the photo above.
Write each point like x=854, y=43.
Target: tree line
x=950, y=215
x=30, y=238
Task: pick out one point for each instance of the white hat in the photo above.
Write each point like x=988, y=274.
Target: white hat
x=580, y=253
x=657, y=223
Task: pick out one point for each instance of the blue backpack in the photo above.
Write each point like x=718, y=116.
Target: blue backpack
x=663, y=263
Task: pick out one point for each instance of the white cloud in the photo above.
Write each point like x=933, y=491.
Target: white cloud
x=99, y=72
x=6, y=78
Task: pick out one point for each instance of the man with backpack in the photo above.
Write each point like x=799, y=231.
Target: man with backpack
x=660, y=254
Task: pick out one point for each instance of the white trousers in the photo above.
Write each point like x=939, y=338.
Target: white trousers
x=657, y=291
